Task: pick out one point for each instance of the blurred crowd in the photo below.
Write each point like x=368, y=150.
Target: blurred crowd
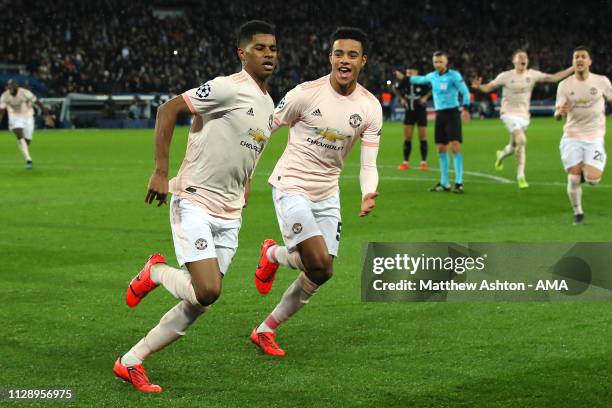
x=113, y=46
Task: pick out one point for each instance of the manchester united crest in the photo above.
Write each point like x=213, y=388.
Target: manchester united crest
x=355, y=120
x=201, y=244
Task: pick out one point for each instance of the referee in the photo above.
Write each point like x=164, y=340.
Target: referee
x=414, y=99
x=446, y=86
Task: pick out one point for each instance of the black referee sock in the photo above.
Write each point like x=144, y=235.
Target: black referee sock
x=407, y=149
x=424, y=150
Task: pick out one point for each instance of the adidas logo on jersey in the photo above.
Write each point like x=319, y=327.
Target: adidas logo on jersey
x=317, y=112
x=250, y=112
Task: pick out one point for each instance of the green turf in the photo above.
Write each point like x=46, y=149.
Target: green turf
x=74, y=230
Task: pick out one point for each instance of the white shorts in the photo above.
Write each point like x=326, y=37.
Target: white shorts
x=20, y=123
x=513, y=123
x=198, y=235
x=574, y=151
x=300, y=219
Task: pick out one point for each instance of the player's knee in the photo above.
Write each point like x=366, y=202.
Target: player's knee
x=520, y=140
x=320, y=265
x=208, y=295
x=592, y=181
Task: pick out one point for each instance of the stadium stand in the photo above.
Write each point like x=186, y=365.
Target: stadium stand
x=136, y=47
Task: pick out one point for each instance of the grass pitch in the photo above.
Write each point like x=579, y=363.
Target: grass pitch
x=75, y=230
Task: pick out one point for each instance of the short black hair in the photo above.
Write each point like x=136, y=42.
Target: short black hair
x=440, y=53
x=350, y=33
x=250, y=28
x=583, y=48
x=518, y=51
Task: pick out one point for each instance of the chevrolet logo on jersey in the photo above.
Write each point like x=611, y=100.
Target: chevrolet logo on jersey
x=330, y=134
x=258, y=135
x=583, y=102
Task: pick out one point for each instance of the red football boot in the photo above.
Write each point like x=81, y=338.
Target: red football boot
x=137, y=375
x=265, y=341
x=404, y=166
x=142, y=284
x=266, y=269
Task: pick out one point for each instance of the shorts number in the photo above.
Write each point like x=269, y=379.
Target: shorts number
x=338, y=231
x=598, y=156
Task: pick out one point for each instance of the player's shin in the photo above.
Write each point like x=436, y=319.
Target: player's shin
x=521, y=157
x=171, y=327
x=294, y=298
x=423, y=147
x=407, y=150
x=281, y=255
x=25, y=150
x=507, y=151
x=574, y=192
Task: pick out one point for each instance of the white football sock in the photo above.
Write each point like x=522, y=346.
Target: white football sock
x=176, y=281
x=520, y=161
x=295, y=297
x=23, y=147
x=507, y=151
x=171, y=327
x=281, y=255
x=574, y=192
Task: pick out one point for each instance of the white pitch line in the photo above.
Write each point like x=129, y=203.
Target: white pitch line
x=489, y=178
x=467, y=172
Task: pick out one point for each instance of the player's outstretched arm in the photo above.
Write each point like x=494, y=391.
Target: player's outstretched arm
x=484, y=88
x=558, y=76
x=164, y=127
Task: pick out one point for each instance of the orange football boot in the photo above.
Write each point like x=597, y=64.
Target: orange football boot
x=137, y=375
x=265, y=341
x=266, y=269
x=142, y=284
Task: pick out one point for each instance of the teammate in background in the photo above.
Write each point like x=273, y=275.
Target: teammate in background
x=581, y=98
x=517, y=85
x=414, y=99
x=446, y=85
x=326, y=118
x=231, y=126
x=19, y=103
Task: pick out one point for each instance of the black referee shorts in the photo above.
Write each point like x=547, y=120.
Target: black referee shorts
x=418, y=116
x=448, y=126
